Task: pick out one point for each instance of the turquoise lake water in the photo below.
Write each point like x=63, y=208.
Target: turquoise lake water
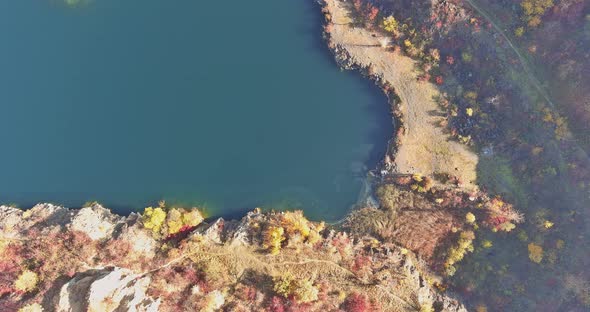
x=225, y=105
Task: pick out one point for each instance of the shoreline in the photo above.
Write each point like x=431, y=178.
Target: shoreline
x=94, y=259
x=351, y=260
x=374, y=177
x=419, y=146
x=385, y=169
x=396, y=249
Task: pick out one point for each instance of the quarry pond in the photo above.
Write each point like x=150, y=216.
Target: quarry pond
x=457, y=130
x=197, y=103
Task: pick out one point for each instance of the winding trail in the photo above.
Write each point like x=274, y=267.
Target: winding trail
x=523, y=62
x=424, y=146
x=269, y=263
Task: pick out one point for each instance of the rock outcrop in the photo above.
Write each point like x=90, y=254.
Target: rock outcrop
x=93, y=260
x=97, y=222
x=106, y=290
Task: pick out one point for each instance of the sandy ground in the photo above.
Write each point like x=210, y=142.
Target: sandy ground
x=425, y=148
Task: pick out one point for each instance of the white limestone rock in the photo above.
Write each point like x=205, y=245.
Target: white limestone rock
x=96, y=221
x=106, y=290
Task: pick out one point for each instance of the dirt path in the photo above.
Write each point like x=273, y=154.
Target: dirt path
x=425, y=148
x=523, y=62
x=239, y=259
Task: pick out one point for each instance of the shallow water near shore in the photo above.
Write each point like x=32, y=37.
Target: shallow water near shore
x=224, y=106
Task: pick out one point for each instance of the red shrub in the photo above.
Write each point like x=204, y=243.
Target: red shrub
x=5, y=287
x=324, y=290
x=277, y=305
x=361, y=263
x=357, y=5
x=372, y=15
x=299, y=307
x=246, y=293
x=8, y=266
x=424, y=77
x=8, y=305
x=357, y=303
x=342, y=242
x=403, y=180
x=182, y=233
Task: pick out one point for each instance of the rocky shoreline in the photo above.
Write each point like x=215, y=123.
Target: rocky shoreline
x=346, y=62
x=426, y=184
x=418, y=145
x=386, y=258
x=90, y=259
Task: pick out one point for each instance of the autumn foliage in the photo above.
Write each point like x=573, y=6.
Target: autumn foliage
x=167, y=222
x=356, y=302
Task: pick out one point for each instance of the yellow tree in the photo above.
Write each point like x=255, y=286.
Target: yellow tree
x=273, y=238
x=390, y=24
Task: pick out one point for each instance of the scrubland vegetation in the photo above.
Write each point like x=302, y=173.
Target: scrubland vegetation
x=513, y=89
x=273, y=261
x=280, y=261
x=438, y=223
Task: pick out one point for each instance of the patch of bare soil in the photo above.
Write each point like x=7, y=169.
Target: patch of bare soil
x=423, y=145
